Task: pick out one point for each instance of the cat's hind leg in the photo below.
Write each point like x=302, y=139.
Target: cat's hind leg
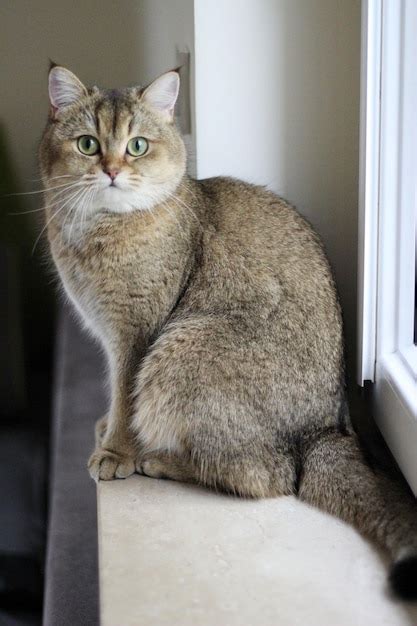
x=269, y=475
x=195, y=398
x=207, y=441
x=162, y=464
x=239, y=476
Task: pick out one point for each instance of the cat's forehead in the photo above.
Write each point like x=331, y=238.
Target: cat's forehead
x=117, y=113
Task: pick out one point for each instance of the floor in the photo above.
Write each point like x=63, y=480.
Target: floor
x=172, y=553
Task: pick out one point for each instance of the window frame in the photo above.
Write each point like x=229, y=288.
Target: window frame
x=388, y=175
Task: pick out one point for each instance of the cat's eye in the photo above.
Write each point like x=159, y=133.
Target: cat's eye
x=137, y=146
x=88, y=145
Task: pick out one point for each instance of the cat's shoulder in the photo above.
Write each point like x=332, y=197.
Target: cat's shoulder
x=224, y=185
x=234, y=196
x=236, y=205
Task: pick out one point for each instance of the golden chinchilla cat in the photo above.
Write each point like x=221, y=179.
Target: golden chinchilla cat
x=217, y=310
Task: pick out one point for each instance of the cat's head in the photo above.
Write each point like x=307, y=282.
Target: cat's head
x=114, y=150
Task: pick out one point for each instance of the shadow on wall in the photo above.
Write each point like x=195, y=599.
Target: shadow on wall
x=97, y=40
x=320, y=133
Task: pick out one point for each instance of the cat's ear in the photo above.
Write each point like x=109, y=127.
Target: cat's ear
x=64, y=88
x=162, y=94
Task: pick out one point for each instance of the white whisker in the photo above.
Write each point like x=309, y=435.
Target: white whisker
x=80, y=202
x=47, y=206
x=49, y=221
x=28, y=193
x=38, y=180
x=172, y=214
x=88, y=204
x=26, y=212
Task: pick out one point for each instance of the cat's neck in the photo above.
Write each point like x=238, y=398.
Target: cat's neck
x=180, y=215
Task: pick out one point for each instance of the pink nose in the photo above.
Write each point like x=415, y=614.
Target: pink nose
x=112, y=173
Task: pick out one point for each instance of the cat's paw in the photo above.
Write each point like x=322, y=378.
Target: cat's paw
x=153, y=468
x=107, y=465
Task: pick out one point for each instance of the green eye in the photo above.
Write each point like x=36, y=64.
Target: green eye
x=88, y=145
x=137, y=146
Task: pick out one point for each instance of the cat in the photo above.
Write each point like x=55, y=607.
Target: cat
x=216, y=306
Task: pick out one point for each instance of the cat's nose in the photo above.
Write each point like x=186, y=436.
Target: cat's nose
x=112, y=173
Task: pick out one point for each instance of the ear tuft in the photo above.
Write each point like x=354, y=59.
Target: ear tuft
x=52, y=64
x=64, y=88
x=162, y=94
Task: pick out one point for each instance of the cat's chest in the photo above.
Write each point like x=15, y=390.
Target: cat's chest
x=115, y=286
x=99, y=281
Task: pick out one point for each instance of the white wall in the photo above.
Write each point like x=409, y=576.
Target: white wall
x=277, y=103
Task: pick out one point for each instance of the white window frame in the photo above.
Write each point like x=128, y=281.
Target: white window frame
x=387, y=218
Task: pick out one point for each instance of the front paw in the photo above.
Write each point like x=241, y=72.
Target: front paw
x=107, y=465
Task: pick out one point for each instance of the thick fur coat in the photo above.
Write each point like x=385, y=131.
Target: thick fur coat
x=216, y=306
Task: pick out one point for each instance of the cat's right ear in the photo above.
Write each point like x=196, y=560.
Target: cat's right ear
x=162, y=94
x=64, y=89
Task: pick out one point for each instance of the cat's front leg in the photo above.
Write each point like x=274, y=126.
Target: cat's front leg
x=115, y=452
x=100, y=430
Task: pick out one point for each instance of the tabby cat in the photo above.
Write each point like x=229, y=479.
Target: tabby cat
x=217, y=310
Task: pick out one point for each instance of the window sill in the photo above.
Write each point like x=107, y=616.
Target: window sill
x=171, y=553
x=396, y=412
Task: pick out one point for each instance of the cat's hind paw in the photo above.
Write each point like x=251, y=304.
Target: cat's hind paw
x=164, y=465
x=107, y=465
x=152, y=468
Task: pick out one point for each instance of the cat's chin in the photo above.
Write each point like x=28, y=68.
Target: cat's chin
x=122, y=201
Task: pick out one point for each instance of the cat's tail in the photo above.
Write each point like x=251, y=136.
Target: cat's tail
x=338, y=479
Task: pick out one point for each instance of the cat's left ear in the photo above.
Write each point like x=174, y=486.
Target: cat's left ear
x=162, y=94
x=64, y=89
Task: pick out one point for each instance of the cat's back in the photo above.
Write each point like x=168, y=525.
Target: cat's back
x=254, y=215
x=253, y=223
